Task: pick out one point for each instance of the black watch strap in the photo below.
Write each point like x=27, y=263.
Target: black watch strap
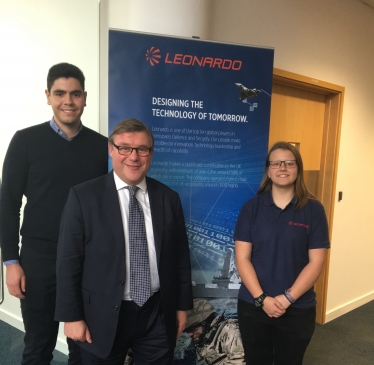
x=259, y=301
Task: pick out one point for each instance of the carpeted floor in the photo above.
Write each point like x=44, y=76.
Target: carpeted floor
x=11, y=347
x=347, y=340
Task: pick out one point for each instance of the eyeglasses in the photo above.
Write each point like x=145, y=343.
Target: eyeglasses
x=277, y=164
x=127, y=151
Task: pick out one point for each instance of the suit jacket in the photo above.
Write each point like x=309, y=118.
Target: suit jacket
x=91, y=259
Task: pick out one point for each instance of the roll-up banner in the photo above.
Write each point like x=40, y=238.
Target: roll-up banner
x=208, y=106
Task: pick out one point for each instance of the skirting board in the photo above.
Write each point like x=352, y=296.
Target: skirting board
x=337, y=312
x=17, y=322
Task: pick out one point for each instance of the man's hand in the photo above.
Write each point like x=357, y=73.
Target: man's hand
x=15, y=280
x=77, y=331
x=181, y=322
x=273, y=308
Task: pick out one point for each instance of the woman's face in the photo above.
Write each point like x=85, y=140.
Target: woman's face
x=282, y=176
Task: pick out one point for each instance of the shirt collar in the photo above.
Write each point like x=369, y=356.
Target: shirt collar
x=268, y=199
x=120, y=184
x=57, y=129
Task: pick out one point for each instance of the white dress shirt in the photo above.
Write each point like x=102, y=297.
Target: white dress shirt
x=143, y=199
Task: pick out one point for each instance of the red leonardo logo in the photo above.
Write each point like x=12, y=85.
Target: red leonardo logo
x=298, y=224
x=153, y=55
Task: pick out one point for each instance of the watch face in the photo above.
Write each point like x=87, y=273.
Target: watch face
x=260, y=300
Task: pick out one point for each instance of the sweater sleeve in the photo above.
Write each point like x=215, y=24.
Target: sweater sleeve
x=15, y=172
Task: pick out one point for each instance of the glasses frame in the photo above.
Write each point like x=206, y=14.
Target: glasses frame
x=282, y=162
x=119, y=148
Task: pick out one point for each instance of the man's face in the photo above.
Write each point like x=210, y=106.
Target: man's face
x=133, y=168
x=196, y=334
x=67, y=100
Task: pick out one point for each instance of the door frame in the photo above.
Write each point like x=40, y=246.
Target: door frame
x=329, y=158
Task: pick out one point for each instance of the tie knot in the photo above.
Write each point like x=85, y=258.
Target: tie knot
x=132, y=189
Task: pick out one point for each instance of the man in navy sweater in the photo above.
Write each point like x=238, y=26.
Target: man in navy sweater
x=42, y=163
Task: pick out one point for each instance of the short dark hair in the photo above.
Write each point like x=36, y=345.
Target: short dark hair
x=65, y=70
x=302, y=193
x=131, y=125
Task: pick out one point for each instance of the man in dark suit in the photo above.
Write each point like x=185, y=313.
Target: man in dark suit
x=95, y=291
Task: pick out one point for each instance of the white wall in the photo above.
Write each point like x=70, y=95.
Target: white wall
x=34, y=35
x=179, y=18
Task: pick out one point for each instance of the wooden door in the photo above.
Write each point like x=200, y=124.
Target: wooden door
x=307, y=113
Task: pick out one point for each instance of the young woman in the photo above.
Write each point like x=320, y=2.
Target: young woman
x=281, y=240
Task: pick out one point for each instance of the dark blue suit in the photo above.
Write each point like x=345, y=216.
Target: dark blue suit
x=91, y=259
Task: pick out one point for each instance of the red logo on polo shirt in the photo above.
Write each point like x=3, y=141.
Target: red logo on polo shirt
x=298, y=224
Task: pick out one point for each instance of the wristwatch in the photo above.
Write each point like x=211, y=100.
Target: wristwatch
x=259, y=301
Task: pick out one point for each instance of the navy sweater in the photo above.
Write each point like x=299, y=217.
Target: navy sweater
x=43, y=166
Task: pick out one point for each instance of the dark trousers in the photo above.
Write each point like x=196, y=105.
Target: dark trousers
x=143, y=330
x=38, y=308
x=278, y=341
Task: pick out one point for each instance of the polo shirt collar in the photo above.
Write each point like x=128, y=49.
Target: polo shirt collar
x=268, y=199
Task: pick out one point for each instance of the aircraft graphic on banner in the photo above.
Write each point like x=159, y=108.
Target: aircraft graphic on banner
x=246, y=93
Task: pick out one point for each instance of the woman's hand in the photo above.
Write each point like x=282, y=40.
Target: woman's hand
x=273, y=308
x=283, y=300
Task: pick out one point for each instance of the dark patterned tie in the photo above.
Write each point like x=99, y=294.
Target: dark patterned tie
x=140, y=283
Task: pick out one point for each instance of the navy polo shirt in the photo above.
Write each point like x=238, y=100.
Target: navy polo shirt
x=280, y=241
